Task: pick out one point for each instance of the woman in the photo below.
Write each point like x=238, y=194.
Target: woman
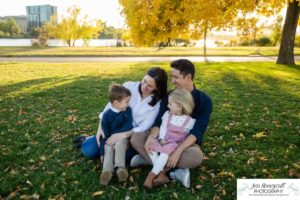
x=145, y=102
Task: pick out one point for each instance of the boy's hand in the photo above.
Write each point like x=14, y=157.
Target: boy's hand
x=101, y=159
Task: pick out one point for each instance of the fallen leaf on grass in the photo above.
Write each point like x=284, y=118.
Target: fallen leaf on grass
x=29, y=183
x=216, y=197
x=175, y=195
x=225, y=173
x=68, y=164
x=12, y=195
x=198, y=187
x=260, y=135
x=72, y=119
x=97, y=193
x=43, y=158
x=262, y=158
x=296, y=165
x=138, y=170
x=131, y=179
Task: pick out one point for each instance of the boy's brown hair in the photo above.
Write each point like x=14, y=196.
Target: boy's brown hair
x=117, y=92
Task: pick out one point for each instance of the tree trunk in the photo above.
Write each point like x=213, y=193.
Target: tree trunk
x=204, y=43
x=169, y=42
x=286, y=51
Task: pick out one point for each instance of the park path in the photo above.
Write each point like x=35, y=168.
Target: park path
x=143, y=59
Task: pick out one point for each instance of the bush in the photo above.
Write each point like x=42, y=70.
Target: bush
x=35, y=43
x=245, y=43
x=264, y=41
x=42, y=41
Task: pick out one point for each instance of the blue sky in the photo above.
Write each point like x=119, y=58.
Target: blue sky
x=106, y=10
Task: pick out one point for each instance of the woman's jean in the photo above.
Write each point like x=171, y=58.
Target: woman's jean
x=91, y=150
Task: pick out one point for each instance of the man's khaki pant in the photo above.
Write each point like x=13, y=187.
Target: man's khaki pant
x=191, y=157
x=114, y=156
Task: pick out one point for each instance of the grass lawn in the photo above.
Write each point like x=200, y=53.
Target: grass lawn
x=133, y=51
x=253, y=133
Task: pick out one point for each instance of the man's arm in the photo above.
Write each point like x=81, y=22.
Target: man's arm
x=202, y=118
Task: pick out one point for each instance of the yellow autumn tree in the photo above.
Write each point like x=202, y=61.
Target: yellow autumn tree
x=72, y=28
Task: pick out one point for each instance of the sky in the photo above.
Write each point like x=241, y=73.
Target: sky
x=106, y=10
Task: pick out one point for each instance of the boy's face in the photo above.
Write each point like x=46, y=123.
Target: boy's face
x=178, y=80
x=123, y=104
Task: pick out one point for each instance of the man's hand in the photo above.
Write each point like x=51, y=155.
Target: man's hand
x=101, y=159
x=173, y=159
x=148, y=144
x=153, y=134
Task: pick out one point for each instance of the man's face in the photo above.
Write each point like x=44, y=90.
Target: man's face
x=178, y=80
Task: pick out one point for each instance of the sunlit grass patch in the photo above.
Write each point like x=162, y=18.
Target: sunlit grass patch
x=253, y=133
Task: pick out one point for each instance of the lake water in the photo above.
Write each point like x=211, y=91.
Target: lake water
x=80, y=43
x=51, y=42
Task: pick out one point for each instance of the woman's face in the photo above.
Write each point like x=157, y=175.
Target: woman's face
x=148, y=85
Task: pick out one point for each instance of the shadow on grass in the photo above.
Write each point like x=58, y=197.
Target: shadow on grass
x=10, y=51
x=51, y=117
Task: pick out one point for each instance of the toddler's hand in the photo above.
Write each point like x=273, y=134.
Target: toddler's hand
x=162, y=141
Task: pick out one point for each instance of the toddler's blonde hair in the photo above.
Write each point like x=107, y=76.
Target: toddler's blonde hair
x=185, y=99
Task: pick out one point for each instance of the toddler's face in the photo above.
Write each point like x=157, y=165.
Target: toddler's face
x=123, y=104
x=174, y=107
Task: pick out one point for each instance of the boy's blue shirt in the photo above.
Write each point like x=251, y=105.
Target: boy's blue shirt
x=115, y=122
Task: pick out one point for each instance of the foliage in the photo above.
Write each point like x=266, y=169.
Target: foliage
x=264, y=41
x=276, y=30
x=72, y=28
x=162, y=20
x=45, y=105
x=9, y=28
x=109, y=32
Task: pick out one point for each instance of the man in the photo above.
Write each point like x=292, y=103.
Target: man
x=188, y=154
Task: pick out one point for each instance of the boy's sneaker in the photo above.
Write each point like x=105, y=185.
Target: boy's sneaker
x=138, y=160
x=182, y=175
x=105, y=177
x=122, y=174
x=77, y=142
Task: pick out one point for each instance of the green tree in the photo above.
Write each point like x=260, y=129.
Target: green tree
x=276, y=30
x=10, y=28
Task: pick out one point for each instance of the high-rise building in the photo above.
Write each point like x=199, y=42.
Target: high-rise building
x=39, y=15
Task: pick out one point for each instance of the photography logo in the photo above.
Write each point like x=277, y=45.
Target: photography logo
x=273, y=189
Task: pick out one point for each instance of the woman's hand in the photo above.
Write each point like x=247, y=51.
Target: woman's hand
x=99, y=133
x=173, y=159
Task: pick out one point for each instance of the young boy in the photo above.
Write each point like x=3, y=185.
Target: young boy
x=117, y=119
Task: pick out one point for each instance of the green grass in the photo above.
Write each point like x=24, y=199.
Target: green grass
x=44, y=106
x=133, y=51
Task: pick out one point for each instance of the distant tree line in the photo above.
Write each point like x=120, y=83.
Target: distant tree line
x=9, y=28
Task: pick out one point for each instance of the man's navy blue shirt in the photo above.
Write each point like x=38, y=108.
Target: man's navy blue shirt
x=113, y=122
x=201, y=112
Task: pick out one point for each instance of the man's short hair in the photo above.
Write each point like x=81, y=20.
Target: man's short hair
x=117, y=92
x=184, y=66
